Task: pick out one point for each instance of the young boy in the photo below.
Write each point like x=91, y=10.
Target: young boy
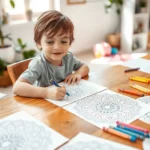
x=53, y=34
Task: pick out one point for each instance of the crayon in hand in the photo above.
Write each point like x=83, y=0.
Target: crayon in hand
x=57, y=85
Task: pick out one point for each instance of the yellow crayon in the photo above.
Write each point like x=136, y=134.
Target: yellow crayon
x=140, y=88
x=139, y=79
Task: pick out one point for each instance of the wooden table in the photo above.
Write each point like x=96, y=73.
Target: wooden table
x=69, y=124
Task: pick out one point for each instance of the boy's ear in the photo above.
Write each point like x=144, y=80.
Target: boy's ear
x=39, y=46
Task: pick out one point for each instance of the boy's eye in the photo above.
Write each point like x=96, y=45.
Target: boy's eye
x=50, y=42
x=64, y=42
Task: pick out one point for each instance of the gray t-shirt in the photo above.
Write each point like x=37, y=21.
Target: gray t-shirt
x=41, y=71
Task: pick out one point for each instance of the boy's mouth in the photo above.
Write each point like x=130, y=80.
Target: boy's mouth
x=57, y=53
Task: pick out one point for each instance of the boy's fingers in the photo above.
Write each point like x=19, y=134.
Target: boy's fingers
x=66, y=80
x=63, y=89
x=78, y=79
x=73, y=80
x=69, y=80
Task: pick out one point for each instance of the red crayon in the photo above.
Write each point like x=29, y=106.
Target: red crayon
x=132, y=126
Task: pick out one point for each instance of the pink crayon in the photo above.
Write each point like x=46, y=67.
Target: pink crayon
x=132, y=127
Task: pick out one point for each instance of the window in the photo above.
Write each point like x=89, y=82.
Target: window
x=22, y=6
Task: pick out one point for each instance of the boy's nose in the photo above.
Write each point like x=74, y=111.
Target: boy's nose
x=56, y=46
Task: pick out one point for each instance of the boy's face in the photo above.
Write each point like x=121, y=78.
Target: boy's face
x=55, y=48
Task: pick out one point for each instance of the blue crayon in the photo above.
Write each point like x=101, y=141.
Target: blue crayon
x=128, y=132
x=134, y=131
x=56, y=84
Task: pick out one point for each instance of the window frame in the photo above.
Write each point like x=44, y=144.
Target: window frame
x=18, y=17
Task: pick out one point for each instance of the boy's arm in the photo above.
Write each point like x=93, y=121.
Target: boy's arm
x=23, y=88
x=83, y=70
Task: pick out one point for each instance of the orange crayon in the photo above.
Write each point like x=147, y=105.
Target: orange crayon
x=120, y=134
x=130, y=92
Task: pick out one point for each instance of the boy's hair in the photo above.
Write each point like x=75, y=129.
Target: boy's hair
x=50, y=22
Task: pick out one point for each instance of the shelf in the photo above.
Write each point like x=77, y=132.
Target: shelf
x=141, y=15
x=140, y=34
x=138, y=50
x=134, y=26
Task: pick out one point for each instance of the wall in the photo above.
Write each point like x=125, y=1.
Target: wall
x=91, y=22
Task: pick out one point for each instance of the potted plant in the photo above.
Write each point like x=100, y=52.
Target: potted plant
x=4, y=76
x=22, y=51
x=114, y=3
x=142, y=6
x=7, y=52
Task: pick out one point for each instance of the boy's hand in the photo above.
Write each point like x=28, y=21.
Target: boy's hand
x=56, y=93
x=73, y=78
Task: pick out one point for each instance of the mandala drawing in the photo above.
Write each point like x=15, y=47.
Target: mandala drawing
x=90, y=145
x=107, y=108
x=146, y=117
x=84, y=141
x=78, y=91
x=23, y=135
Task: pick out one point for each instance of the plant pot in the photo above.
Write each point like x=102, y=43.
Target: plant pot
x=114, y=40
x=7, y=54
x=5, y=79
x=143, y=10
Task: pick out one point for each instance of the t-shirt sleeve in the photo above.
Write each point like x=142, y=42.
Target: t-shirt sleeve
x=33, y=72
x=77, y=63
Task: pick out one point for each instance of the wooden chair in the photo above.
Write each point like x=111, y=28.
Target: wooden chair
x=16, y=69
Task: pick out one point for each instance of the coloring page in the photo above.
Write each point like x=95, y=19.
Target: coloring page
x=78, y=91
x=107, y=107
x=88, y=142
x=2, y=95
x=146, y=117
x=21, y=131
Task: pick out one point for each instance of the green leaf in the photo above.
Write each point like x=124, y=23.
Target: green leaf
x=2, y=66
x=20, y=43
x=19, y=40
x=29, y=54
x=12, y=3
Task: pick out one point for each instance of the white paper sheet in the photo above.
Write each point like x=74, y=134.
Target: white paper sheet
x=78, y=91
x=144, y=64
x=146, y=144
x=146, y=117
x=107, y=107
x=21, y=131
x=2, y=95
x=88, y=142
